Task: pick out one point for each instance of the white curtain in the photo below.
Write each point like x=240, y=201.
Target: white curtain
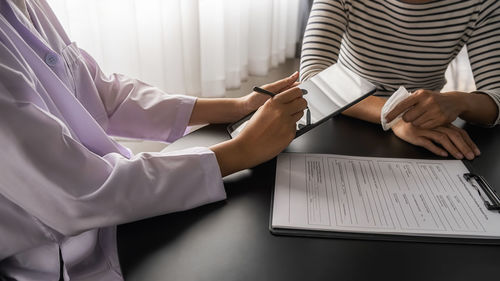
x=194, y=47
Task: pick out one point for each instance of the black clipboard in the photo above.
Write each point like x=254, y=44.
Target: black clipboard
x=492, y=204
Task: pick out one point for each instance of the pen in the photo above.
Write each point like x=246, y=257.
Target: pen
x=262, y=91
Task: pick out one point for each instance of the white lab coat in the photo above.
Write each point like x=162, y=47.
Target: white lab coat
x=63, y=182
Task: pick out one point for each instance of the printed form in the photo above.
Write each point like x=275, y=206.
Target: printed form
x=379, y=195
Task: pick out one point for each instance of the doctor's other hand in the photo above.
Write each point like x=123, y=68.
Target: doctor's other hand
x=267, y=133
x=254, y=100
x=440, y=140
x=429, y=109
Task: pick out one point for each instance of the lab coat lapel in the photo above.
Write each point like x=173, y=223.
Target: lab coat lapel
x=58, y=99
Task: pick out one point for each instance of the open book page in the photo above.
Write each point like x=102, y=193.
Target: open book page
x=379, y=195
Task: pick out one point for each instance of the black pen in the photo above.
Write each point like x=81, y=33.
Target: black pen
x=262, y=91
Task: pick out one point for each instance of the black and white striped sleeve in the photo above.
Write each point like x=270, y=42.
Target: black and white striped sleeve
x=323, y=35
x=484, y=52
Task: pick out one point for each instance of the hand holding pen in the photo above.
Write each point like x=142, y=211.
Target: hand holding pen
x=273, y=126
x=271, y=94
x=270, y=129
x=255, y=100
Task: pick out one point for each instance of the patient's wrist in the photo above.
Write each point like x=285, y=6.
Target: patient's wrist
x=479, y=108
x=460, y=101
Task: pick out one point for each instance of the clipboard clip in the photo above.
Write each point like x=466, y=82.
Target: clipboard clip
x=493, y=200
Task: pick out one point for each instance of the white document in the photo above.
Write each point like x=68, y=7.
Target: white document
x=379, y=195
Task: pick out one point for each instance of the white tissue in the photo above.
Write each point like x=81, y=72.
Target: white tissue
x=394, y=100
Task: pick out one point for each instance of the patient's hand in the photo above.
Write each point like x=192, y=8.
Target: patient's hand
x=440, y=140
x=428, y=109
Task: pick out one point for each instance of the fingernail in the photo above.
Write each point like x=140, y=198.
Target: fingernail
x=477, y=151
x=460, y=156
x=304, y=92
x=444, y=154
x=470, y=155
x=295, y=73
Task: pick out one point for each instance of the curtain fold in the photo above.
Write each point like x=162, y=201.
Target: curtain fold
x=194, y=47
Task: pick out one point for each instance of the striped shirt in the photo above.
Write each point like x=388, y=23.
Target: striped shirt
x=393, y=43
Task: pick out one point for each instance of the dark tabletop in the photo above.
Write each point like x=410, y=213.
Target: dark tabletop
x=230, y=240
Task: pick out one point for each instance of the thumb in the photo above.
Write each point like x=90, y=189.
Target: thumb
x=280, y=85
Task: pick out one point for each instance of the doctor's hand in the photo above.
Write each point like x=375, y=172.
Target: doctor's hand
x=229, y=110
x=267, y=133
x=428, y=109
x=254, y=100
x=440, y=140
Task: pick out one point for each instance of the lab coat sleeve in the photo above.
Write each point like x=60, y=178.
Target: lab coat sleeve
x=138, y=110
x=70, y=189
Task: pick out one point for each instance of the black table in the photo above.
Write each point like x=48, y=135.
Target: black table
x=230, y=240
